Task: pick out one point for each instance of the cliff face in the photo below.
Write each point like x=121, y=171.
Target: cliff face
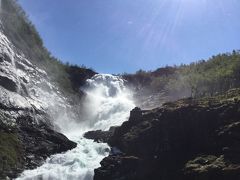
x=27, y=98
x=187, y=139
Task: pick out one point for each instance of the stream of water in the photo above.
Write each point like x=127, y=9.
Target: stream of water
x=108, y=103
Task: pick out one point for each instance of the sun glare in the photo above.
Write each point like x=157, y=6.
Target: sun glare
x=178, y=10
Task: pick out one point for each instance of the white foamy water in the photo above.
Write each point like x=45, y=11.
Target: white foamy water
x=107, y=104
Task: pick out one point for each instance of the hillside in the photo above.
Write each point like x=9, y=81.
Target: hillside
x=203, y=78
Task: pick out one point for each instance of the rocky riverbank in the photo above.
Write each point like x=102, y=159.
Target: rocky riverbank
x=187, y=139
x=27, y=144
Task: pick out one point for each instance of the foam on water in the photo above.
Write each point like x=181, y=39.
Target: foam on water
x=108, y=103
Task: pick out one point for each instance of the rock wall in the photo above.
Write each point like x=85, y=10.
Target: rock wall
x=185, y=140
x=28, y=103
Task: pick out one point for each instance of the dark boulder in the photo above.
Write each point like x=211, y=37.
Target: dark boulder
x=113, y=166
x=8, y=83
x=99, y=135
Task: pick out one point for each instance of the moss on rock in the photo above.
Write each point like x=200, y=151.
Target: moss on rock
x=10, y=153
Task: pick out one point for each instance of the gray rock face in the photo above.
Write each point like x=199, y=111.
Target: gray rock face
x=29, y=104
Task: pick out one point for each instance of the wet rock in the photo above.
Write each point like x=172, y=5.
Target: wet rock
x=135, y=114
x=8, y=83
x=99, y=135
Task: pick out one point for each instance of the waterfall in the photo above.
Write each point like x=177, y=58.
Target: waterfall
x=107, y=103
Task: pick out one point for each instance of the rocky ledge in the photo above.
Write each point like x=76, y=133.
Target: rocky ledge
x=190, y=139
x=27, y=144
x=99, y=135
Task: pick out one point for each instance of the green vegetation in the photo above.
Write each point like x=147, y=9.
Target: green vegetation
x=10, y=152
x=202, y=78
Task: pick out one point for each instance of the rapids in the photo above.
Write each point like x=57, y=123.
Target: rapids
x=107, y=103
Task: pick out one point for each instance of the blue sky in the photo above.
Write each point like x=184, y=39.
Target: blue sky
x=116, y=36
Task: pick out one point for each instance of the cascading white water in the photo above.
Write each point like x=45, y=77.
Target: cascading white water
x=108, y=103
